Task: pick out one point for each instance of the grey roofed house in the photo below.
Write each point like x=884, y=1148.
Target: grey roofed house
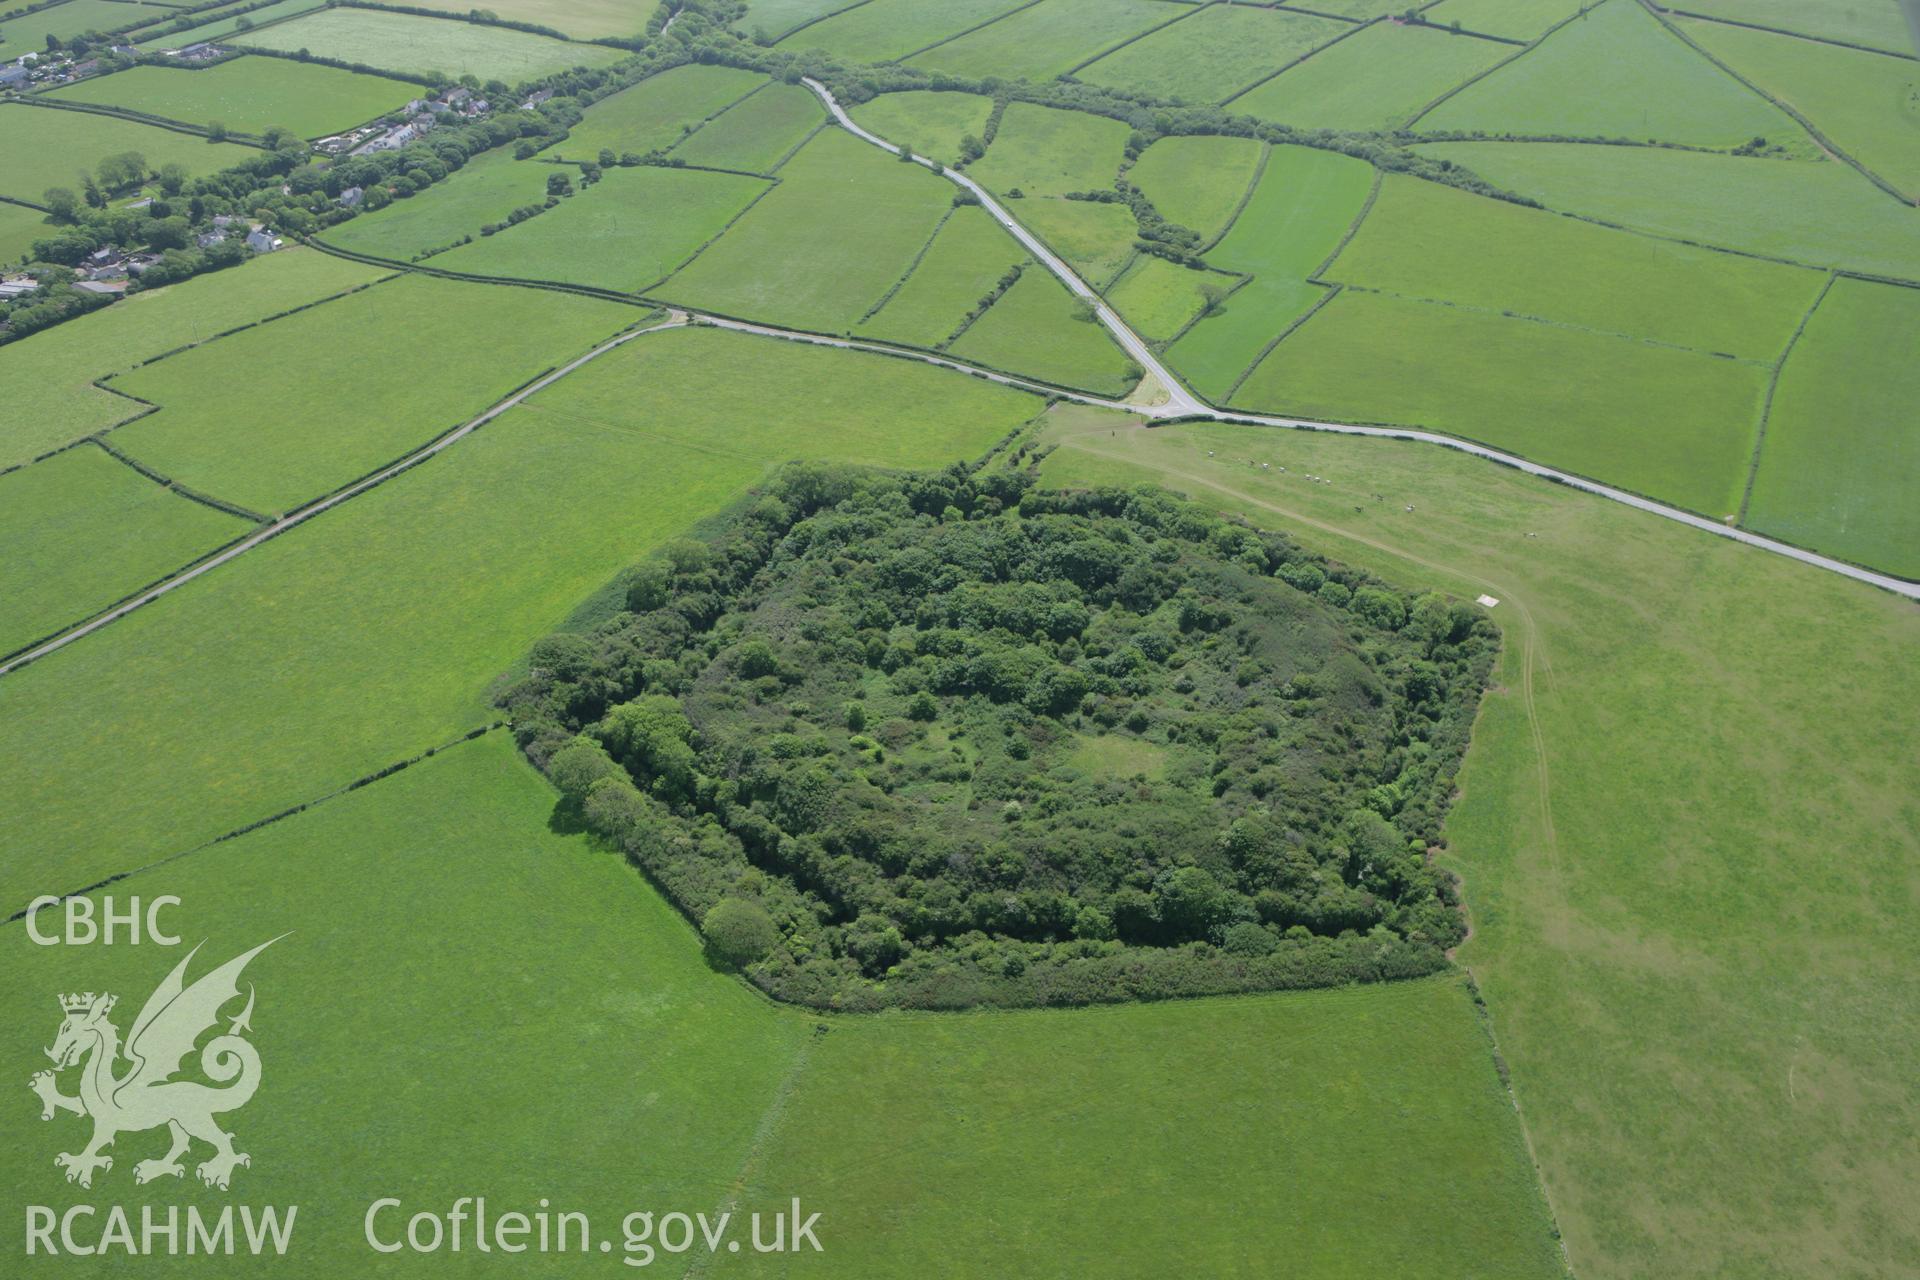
x=10, y=76
x=101, y=286
x=17, y=286
x=351, y=197
x=260, y=240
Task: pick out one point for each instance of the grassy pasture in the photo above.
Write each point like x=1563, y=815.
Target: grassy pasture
x=777, y=17
x=792, y=258
x=1671, y=424
x=627, y=231
x=1695, y=1010
x=1824, y=214
x=486, y=189
x=43, y=147
x=1840, y=464
x=1867, y=103
x=1430, y=241
x=19, y=228
x=1233, y=1132
x=1306, y=201
x=83, y=529
x=429, y=46
x=1879, y=26
x=1197, y=182
x=1375, y=79
x=1048, y=39
x=385, y=621
x=1214, y=54
x=1639, y=81
x=1033, y=330
x=256, y=420
x=1514, y=19
x=927, y=122
x=1095, y=239
x=657, y=112
x=1158, y=297
x=1044, y=151
x=250, y=94
x=28, y=32
x=757, y=132
x=581, y=19
x=883, y=30
x=970, y=253
x=226, y=26
x=48, y=377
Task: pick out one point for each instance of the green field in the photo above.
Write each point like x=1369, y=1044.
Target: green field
x=19, y=228
x=1216, y=53
x=1823, y=214
x=1638, y=81
x=386, y=620
x=631, y=229
x=28, y=32
x=1695, y=1011
x=1096, y=239
x=1866, y=103
x=961, y=266
x=793, y=260
x=46, y=147
x=486, y=189
x=84, y=529
x=1429, y=241
x=1305, y=203
x=251, y=95
x=1043, y=151
x=1159, y=297
x=1033, y=330
x=227, y=26
x=1377, y=78
x=581, y=19
x=48, y=377
x=777, y=17
x=882, y=30
x=1840, y=463
x=256, y=421
x=1674, y=425
x=1514, y=19
x=926, y=122
x=1198, y=182
x=429, y=47
x=1048, y=39
x=1865, y=22
x=756, y=133
x=656, y=113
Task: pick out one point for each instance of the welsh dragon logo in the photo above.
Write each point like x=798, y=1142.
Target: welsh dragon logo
x=145, y=1095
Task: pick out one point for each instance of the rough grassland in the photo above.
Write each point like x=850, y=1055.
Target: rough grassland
x=1048, y=39
x=456, y=981
x=384, y=622
x=28, y=32
x=1638, y=80
x=756, y=133
x=19, y=228
x=45, y=379
x=627, y=231
x=1214, y=54
x=1515, y=19
x=1033, y=330
x=1197, y=182
x=43, y=147
x=656, y=113
x=250, y=94
x=777, y=17
x=1375, y=79
x=1095, y=239
x=254, y=419
x=581, y=19
x=430, y=47
x=966, y=259
x=1841, y=462
x=1044, y=151
x=928, y=123
x=1231, y=1132
x=1305, y=202
x=83, y=529
x=1880, y=26
x=794, y=259
x=1674, y=425
x=227, y=26
x=1696, y=1011
x=1430, y=241
x=1824, y=214
x=883, y=30
x=1868, y=104
x=1158, y=297
x=485, y=189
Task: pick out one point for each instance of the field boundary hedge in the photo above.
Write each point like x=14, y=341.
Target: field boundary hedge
x=1246, y=198
x=1332, y=292
x=139, y=117
x=1071, y=73
x=1782, y=31
x=978, y=26
x=168, y=482
x=1478, y=76
x=1353, y=30
x=912, y=267
x=1766, y=403
x=797, y=28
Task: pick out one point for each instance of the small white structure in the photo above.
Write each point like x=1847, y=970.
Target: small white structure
x=1487, y=602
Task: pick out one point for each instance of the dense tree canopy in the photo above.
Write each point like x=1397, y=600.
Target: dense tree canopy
x=955, y=741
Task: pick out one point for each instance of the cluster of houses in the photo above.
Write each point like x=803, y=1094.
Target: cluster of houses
x=32, y=70
x=259, y=238
x=413, y=122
